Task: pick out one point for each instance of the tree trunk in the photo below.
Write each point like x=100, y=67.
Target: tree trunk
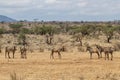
x=49, y=39
x=80, y=40
x=108, y=39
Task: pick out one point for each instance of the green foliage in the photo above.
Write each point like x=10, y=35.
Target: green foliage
x=25, y=30
x=108, y=30
x=2, y=30
x=72, y=29
x=45, y=30
x=48, y=29
x=84, y=29
x=15, y=27
x=36, y=30
x=117, y=28
x=21, y=38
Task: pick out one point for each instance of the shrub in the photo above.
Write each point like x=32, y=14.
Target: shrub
x=15, y=27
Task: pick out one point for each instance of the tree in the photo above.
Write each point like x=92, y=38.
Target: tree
x=109, y=32
x=78, y=38
x=22, y=39
x=82, y=31
x=48, y=31
x=49, y=39
x=118, y=29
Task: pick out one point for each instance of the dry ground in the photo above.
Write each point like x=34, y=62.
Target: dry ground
x=72, y=66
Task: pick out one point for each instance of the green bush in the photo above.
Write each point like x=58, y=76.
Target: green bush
x=45, y=30
x=25, y=30
x=2, y=30
x=15, y=27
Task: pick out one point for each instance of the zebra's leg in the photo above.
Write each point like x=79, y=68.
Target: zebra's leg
x=52, y=55
x=108, y=56
x=98, y=55
x=9, y=55
x=111, y=56
x=101, y=54
x=105, y=56
x=13, y=54
x=59, y=55
x=90, y=55
x=21, y=54
x=25, y=55
x=5, y=54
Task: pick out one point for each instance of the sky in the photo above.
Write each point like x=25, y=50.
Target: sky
x=61, y=10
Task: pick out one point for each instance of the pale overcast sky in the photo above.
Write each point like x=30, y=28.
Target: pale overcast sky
x=75, y=10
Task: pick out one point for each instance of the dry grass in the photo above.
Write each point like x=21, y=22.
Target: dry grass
x=73, y=66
